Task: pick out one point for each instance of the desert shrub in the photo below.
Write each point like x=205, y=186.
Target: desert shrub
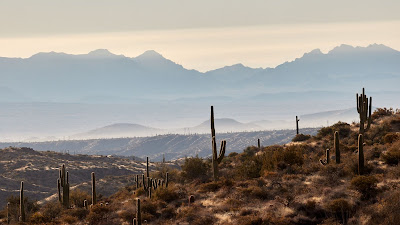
x=392, y=155
x=381, y=112
x=255, y=192
x=166, y=194
x=301, y=137
x=279, y=158
x=51, y=211
x=68, y=219
x=332, y=173
x=343, y=129
x=388, y=211
x=140, y=191
x=250, y=151
x=194, y=215
x=79, y=213
x=312, y=210
x=127, y=214
x=366, y=185
x=149, y=207
x=99, y=214
x=30, y=207
x=376, y=133
x=37, y=218
x=77, y=197
x=168, y=213
x=340, y=208
x=232, y=154
x=390, y=138
x=250, y=167
x=195, y=168
x=210, y=186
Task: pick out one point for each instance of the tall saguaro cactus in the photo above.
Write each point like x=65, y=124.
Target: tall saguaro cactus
x=147, y=167
x=21, y=203
x=328, y=157
x=63, y=181
x=216, y=159
x=360, y=154
x=94, y=199
x=259, y=144
x=138, y=213
x=364, y=109
x=8, y=213
x=297, y=125
x=336, y=147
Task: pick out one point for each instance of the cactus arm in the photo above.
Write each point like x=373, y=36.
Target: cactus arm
x=221, y=152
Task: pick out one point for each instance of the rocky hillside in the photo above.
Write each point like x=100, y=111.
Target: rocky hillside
x=174, y=146
x=294, y=183
x=39, y=171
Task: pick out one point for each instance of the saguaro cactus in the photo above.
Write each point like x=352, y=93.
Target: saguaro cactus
x=85, y=205
x=216, y=159
x=166, y=180
x=364, y=109
x=21, y=203
x=336, y=147
x=360, y=154
x=138, y=213
x=8, y=213
x=327, y=156
x=63, y=181
x=297, y=125
x=147, y=167
x=259, y=144
x=94, y=199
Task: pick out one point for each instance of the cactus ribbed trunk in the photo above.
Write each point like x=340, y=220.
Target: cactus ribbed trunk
x=327, y=156
x=364, y=109
x=336, y=146
x=21, y=203
x=138, y=213
x=94, y=199
x=166, y=180
x=360, y=154
x=216, y=159
x=147, y=167
x=65, y=196
x=8, y=213
x=59, y=189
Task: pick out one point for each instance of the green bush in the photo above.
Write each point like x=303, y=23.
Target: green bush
x=195, y=168
x=366, y=185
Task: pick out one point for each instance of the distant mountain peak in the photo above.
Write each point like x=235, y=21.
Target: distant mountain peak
x=314, y=52
x=344, y=48
x=101, y=53
x=150, y=54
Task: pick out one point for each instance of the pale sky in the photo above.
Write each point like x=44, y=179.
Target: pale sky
x=200, y=35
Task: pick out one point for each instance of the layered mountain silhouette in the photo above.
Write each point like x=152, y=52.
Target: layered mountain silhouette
x=65, y=77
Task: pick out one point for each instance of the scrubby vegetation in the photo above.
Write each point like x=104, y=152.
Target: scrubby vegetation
x=279, y=184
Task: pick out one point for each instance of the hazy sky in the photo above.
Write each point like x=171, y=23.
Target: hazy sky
x=199, y=35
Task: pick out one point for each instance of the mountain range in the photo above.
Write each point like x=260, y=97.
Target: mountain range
x=106, y=77
x=54, y=96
